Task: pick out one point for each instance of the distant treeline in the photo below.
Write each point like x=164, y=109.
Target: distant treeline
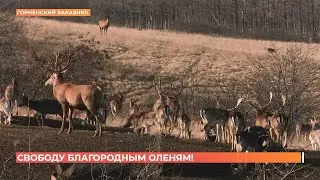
x=295, y=20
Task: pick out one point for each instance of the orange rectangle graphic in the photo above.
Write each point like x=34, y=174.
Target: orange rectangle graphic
x=53, y=12
x=159, y=157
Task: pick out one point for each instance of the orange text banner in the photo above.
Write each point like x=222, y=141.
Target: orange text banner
x=159, y=157
x=53, y=12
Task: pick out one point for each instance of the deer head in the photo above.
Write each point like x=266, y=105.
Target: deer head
x=172, y=97
x=261, y=109
x=159, y=90
x=169, y=100
x=313, y=121
x=56, y=70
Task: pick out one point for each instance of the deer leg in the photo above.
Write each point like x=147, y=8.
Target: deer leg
x=9, y=119
x=98, y=127
x=277, y=135
x=113, y=111
x=64, y=110
x=38, y=119
x=271, y=133
x=42, y=118
x=232, y=142
x=217, y=133
x=70, y=120
x=226, y=135
x=180, y=129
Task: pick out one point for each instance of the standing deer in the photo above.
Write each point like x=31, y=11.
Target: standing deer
x=183, y=122
x=5, y=111
x=72, y=96
x=43, y=107
x=160, y=108
x=195, y=125
x=261, y=114
x=142, y=121
x=104, y=24
x=116, y=103
x=278, y=123
x=213, y=116
x=305, y=129
x=174, y=107
x=314, y=138
x=233, y=125
x=11, y=95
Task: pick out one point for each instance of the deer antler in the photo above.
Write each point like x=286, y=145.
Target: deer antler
x=68, y=62
x=238, y=103
x=34, y=94
x=160, y=92
x=283, y=103
x=268, y=102
x=180, y=90
x=57, y=54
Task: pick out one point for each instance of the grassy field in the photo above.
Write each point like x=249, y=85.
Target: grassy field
x=127, y=60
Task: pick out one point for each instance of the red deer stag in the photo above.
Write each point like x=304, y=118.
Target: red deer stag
x=72, y=96
x=104, y=24
x=261, y=113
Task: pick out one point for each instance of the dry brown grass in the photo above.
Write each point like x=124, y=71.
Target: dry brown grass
x=152, y=51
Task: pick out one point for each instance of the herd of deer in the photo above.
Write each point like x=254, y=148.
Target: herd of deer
x=226, y=125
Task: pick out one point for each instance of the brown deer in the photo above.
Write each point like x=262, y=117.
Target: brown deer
x=11, y=95
x=104, y=24
x=314, y=138
x=5, y=111
x=72, y=96
x=305, y=129
x=233, y=125
x=261, y=113
x=142, y=121
x=174, y=106
x=278, y=123
x=196, y=125
x=116, y=103
x=160, y=107
x=183, y=122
